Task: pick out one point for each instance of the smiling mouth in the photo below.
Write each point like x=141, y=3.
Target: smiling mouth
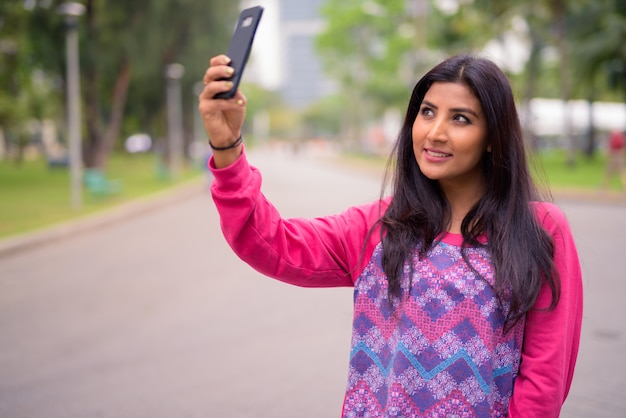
x=437, y=154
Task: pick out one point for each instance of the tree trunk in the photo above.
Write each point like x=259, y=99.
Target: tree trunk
x=92, y=98
x=92, y=118
x=590, y=146
x=532, y=71
x=559, y=12
x=120, y=92
x=99, y=144
x=624, y=85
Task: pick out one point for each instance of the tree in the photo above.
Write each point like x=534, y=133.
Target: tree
x=141, y=38
x=599, y=31
x=125, y=47
x=384, y=47
x=27, y=90
x=12, y=22
x=378, y=44
x=560, y=10
x=376, y=50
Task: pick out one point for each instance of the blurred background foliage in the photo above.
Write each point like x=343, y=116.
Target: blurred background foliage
x=125, y=47
x=572, y=49
x=374, y=50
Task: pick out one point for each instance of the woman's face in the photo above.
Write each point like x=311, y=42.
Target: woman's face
x=450, y=136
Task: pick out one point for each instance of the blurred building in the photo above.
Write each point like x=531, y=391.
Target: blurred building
x=303, y=76
x=284, y=56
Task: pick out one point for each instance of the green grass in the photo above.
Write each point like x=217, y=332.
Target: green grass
x=585, y=174
x=32, y=195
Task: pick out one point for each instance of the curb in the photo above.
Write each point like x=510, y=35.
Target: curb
x=21, y=242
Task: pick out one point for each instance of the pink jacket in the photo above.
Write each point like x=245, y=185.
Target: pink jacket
x=332, y=251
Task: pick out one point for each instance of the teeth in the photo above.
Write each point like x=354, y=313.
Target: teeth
x=437, y=154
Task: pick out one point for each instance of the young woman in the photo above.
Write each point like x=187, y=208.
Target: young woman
x=468, y=290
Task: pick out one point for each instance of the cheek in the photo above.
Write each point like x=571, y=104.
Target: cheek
x=477, y=154
x=417, y=133
x=472, y=143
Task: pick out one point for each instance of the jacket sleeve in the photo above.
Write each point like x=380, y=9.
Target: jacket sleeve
x=320, y=252
x=551, y=337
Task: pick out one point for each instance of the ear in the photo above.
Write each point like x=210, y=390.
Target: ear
x=489, y=148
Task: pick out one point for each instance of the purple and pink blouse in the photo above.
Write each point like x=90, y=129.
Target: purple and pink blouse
x=439, y=352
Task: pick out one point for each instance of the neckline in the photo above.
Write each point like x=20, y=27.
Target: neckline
x=457, y=239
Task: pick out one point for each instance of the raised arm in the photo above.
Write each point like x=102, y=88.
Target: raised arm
x=222, y=118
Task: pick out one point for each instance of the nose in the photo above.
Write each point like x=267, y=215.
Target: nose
x=437, y=131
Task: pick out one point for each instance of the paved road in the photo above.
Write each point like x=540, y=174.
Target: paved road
x=155, y=317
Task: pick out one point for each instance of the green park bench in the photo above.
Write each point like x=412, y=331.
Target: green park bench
x=98, y=184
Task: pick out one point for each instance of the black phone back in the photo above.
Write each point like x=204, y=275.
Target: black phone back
x=241, y=45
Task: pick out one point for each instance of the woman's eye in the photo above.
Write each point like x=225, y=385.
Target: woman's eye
x=461, y=118
x=426, y=111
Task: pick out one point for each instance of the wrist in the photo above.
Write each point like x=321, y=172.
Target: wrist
x=234, y=144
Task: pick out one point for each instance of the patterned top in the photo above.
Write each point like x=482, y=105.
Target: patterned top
x=441, y=351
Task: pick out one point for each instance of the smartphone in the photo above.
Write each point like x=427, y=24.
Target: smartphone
x=240, y=46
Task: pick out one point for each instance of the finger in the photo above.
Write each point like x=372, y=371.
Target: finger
x=208, y=105
x=215, y=87
x=219, y=60
x=220, y=72
x=240, y=99
x=216, y=108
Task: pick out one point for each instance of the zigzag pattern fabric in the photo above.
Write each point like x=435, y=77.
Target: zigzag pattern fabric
x=441, y=352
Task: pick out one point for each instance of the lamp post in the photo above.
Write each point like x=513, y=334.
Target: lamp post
x=173, y=74
x=72, y=11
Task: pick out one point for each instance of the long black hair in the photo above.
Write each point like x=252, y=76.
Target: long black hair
x=520, y=249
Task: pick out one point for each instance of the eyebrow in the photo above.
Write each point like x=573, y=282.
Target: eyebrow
x=455, y=109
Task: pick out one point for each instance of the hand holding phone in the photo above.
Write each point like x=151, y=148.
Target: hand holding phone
x=241, y=45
